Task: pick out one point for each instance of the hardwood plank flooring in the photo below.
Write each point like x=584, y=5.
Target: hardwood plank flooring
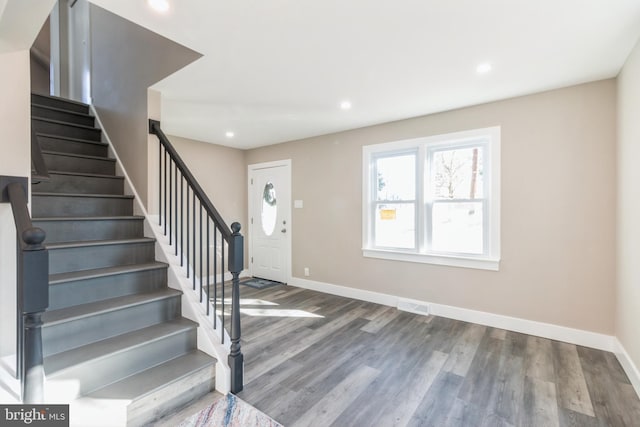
x=314, y=359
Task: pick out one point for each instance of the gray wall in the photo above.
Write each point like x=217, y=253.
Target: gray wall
x=40, y=58
x=126, y=60
x=20, y=21
x=628, y=309
x=15, y=145
x=558, y=210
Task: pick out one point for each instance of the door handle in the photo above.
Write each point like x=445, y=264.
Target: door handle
x=284, y=230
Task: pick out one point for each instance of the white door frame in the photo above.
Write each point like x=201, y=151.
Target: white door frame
x=287, y=253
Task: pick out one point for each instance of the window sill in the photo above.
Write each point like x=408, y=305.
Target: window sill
x=451, y=261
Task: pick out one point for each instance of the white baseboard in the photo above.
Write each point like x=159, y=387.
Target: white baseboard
x=344, y=291
x=530, y=327
x=524, y=326
x=627, y=364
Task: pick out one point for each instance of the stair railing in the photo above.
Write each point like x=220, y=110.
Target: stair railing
x=181, y=205
x=32, y=290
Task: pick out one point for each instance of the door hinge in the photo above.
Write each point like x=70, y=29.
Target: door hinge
x=251, y=260
x=251, y=220
x=251, y=181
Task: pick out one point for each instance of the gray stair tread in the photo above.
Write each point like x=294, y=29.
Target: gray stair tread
x=146, y=382
x=90, y=218
x=62, y=122
x=79, y=156
x=55, y=279
x=70, y=138
x=59, y=98
x=62, y=110
x=77, y=244
x=109, y=346
x=84, y=310
x=108, y=196
x=85, y=174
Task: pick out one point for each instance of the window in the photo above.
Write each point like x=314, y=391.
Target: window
x=434, y=200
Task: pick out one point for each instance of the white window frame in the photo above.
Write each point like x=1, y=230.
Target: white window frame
x=424, y=147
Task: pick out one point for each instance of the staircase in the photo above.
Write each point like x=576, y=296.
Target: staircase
x=113, y=330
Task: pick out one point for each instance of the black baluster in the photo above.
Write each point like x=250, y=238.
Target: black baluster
x=215, y=274
x=175, y=210
x=201, y=230
x=159, y=183
x=164, y=217
x=188, y=231
x=222, y=288
x=170, y=199
x=194, y=241
x=181, y=220
x=208, y=264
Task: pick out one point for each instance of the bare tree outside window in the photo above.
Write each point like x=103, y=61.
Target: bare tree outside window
x=455, y=171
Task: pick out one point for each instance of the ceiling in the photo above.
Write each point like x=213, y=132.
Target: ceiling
x=277, y=70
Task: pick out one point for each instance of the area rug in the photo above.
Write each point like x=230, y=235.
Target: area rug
x=229, y=411
x=256, y=283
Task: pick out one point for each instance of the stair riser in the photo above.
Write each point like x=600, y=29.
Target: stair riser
x=82, y=185
x=62, y=116
x=63, y=260
x=63, y=129
x=59, y=103
x=99, y=373
x=86, y=291
x=65, y=336
x=50, y=143
x=107, y=229
x=149, y=408
x=48, y=206
x=57, y=162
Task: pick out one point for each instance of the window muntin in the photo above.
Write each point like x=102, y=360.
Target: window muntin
x=453, y=187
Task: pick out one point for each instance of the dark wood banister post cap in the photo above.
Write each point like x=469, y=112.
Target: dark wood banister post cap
x=235, y=227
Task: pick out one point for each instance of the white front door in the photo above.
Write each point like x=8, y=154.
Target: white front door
x=270, y=220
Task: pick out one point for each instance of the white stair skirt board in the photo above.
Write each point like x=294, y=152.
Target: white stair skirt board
x=529, y=327
x=192, y=309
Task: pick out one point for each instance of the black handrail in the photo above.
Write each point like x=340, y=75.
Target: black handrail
x=171, y=206
x=32, y=290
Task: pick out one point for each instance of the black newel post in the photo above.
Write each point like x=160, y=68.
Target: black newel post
x=236, y=263
x=33, y=273
x=32, y=293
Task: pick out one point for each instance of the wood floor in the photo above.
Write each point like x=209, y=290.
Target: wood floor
x=313, y=359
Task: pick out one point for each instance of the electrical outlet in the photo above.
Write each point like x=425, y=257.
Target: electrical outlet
x=306, y=271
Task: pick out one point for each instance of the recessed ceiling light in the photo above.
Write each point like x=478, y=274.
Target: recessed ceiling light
x=159, y=5
x=229, y=134
x=483, y=68
x=345, y=105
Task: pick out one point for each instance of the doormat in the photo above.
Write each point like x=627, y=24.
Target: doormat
x=227, y=412
x=257, y=283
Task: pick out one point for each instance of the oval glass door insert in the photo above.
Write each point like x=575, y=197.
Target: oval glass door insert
x=269, y=209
